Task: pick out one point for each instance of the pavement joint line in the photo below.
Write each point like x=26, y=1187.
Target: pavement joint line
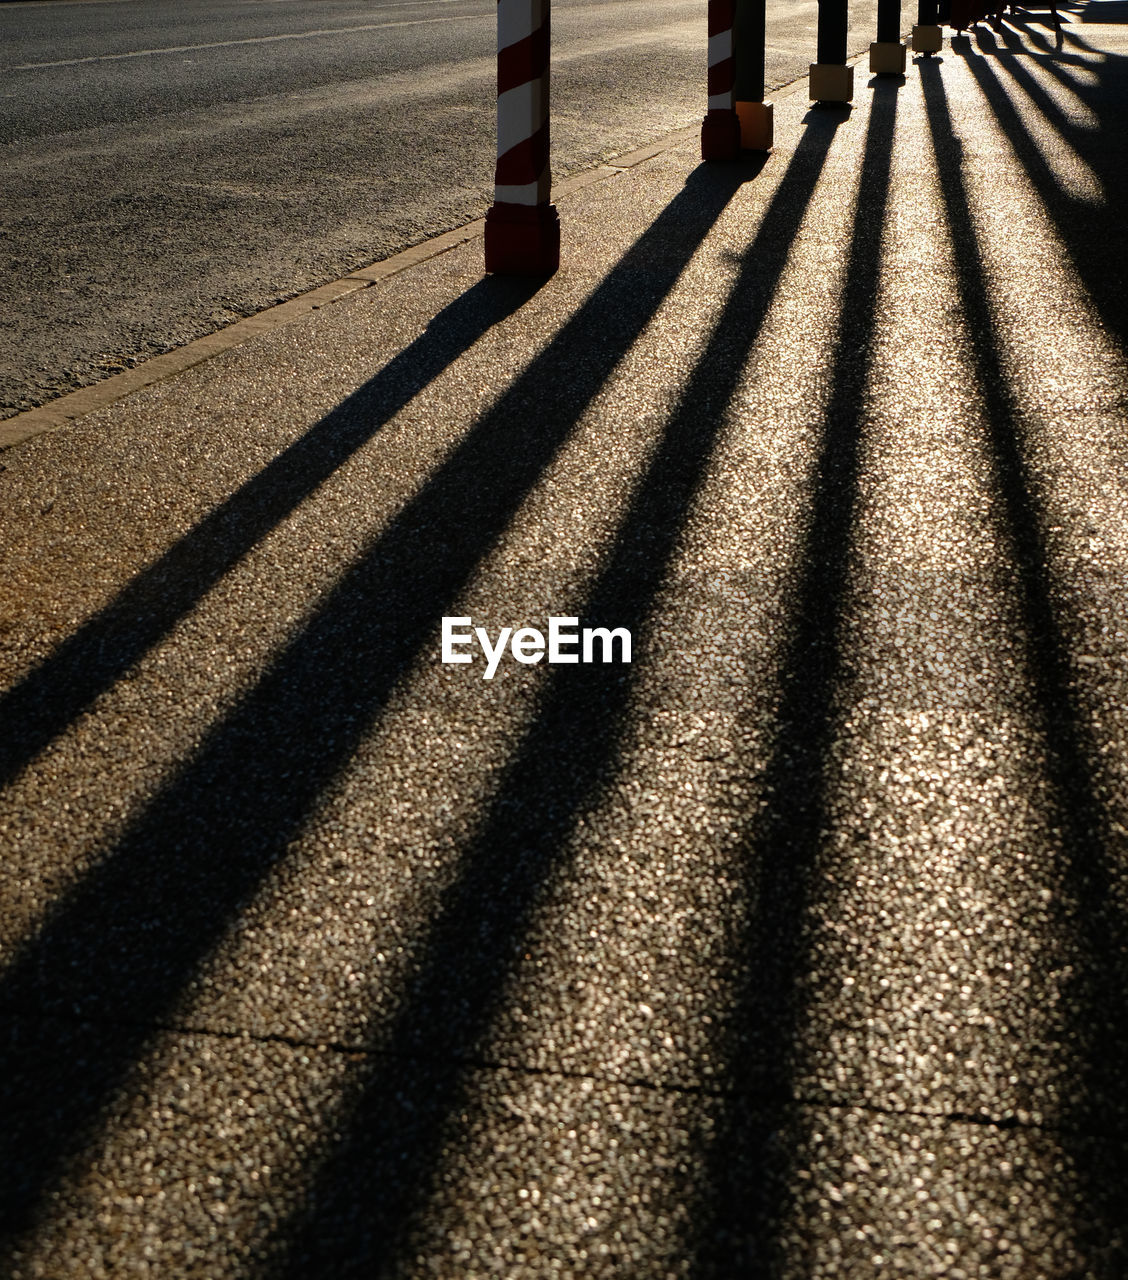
x=69, y=408
x=762, y=1097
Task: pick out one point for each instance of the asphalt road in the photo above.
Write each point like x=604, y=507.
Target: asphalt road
x=169, y=168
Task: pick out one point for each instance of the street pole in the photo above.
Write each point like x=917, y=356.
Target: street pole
x=887, y=53
x=755, y=115
x=720, y=130
x=928, y=38
x=522, y=227
x=831, y=80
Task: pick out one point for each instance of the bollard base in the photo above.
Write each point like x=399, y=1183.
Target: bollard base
x=830, y=82
x=927, y=39
x=757, y=125
x=887, y=58
x=522, y=239
x=720, y=135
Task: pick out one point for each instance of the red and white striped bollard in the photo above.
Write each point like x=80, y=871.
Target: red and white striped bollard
x=720, y=130
x=522, y=227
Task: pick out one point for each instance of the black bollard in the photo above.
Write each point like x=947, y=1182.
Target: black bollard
x=832, y=32
x=888, y=21
x=887, y=53
x=749, y=37
x=927, y=36
x=831, y=79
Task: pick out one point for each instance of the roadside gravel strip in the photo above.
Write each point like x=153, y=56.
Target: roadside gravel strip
x=797, y=945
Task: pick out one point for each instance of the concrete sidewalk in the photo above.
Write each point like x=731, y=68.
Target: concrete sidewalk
x=796, y=947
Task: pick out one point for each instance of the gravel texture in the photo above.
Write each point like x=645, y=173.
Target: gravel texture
x=795, y=948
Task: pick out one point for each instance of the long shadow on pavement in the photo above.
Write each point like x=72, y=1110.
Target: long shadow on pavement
x=1094, y=1120
x=371, y=1192
x=102, y=650
x=1093, y=233
x=120, y=947
x=749, y=1165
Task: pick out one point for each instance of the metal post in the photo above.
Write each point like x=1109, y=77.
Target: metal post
x=720, y=130
x=831, y=79
x=887, y=53
x=522, y=227
x=888, y=20
x=755, y=115
x=832, y=32
x=927, y=36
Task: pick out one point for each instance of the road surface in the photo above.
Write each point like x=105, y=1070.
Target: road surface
x=170, y=168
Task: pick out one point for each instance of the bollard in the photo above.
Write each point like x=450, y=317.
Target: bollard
x=887, y=53
x=755, y=115
x=522, y=228
x=831, y=79
x=720, y=130
x=927, y=36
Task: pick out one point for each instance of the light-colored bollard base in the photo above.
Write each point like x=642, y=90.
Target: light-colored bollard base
x=522, y=240
x=831, y=83
x=887, y=58
x=720, y=135
x=927, y=39
x=757, y=125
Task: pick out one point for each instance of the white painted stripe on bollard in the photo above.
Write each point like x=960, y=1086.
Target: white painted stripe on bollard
x=520, y=113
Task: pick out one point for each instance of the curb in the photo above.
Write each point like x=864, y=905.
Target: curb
x=68, y=408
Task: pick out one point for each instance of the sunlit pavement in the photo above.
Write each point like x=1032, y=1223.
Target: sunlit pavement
x=795, y=948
